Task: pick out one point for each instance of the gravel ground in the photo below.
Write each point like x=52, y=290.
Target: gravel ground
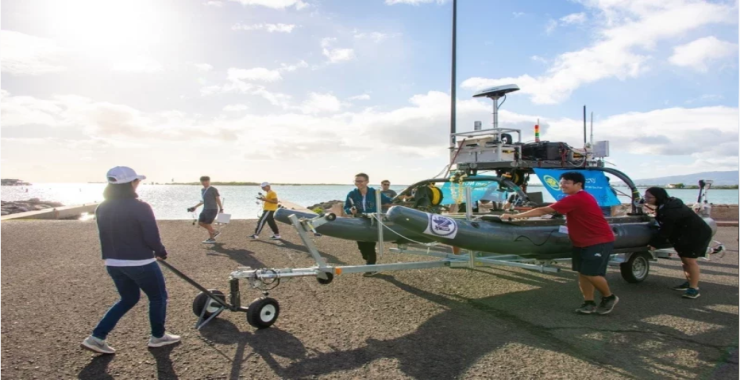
x=424, y=324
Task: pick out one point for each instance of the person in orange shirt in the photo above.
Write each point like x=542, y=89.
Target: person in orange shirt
x=269, y=207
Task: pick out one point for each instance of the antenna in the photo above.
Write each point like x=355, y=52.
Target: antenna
x=584, y=126
x=453, y=127
x=592, y=128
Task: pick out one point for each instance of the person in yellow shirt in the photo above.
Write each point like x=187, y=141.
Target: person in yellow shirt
x=269, y=207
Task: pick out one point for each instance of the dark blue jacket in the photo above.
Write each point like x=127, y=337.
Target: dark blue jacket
x=128, y=230
x=370, y=206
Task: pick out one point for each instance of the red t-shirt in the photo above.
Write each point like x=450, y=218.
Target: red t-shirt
x=586, y=224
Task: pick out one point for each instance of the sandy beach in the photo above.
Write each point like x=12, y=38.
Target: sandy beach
x=424, y=324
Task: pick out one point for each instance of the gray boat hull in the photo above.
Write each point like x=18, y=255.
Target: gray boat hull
x=357, y=229
x=538, y=239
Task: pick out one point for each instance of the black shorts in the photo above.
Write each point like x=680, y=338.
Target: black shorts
x=692, y=252
x=592, y=260
x=208, y=216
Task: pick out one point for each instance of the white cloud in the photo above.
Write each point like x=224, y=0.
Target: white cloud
x=272, y=28
x=27, y=110
x=301, y=64
x=669, y=131
x=322, y=125
x=518, y=14
x=274, y=4
x=102, y=119
x=239, y=82
x=374, y=36
x=235, y=108
x=214, y=3
x=696, y=54
x=23, y=54
x=360, y=97
x=318, y=103
x=414, y=2
x=537, y=58
x=551, y=25
x=203, y=67
x=260, y=74
x=275, y=98
x=629, y=25
x=573, y=18
x=138, y=65
x=336, y=55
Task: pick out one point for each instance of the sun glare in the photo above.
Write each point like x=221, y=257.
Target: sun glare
x=107, y=26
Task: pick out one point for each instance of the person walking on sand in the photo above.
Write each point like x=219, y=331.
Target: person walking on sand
x=689, y=234
x=130, y=243
x=592, y=238
x=269, y=206
x=211, y=201
x=361, y=201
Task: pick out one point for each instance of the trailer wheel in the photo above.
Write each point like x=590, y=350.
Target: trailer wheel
x=636, y=269
x=327, y=281
x=263, y=312
x=203, y=301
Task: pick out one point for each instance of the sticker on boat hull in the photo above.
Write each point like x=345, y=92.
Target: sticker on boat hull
x=441, y=226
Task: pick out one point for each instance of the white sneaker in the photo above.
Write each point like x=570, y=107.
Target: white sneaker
x=275, y=237
x=254, y=236
x=165, y=340
x=97, y=345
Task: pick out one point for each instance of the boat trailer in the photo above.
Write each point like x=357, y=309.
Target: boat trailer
x=264, y=310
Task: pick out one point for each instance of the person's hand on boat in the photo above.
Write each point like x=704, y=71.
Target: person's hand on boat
x=353, y=209
x=508, y=217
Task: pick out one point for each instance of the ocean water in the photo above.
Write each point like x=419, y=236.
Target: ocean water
x=171, y=201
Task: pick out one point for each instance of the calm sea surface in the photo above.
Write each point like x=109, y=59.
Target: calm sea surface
x=171, y=201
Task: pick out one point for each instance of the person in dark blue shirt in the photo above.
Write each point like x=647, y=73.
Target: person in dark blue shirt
x=362, y=201
x=130, y=243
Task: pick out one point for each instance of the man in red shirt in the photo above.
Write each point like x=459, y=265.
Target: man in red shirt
x=592, y=238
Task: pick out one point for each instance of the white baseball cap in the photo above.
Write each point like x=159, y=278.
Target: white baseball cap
x=265, y=184
x=123, y=174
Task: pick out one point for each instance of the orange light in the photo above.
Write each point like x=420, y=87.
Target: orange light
x=337, y=271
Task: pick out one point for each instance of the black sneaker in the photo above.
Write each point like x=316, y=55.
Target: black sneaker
x=588, y=307
x=607, y=304
x=682, y=287
x=691, y=293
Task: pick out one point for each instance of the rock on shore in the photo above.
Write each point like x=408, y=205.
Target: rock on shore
x=326, y=205
x=33, y=204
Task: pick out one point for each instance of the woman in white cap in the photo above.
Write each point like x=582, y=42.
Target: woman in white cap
x=130, y=243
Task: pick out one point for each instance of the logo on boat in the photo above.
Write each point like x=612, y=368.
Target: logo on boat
x=552, y=182
x=441, y=226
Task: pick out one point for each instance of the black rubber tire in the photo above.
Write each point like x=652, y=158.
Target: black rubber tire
x=200, y=302
x=263, y=312
x=637, y=268
x=331, y=217
x=330, y=278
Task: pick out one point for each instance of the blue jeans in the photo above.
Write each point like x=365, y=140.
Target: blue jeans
x=129, y=280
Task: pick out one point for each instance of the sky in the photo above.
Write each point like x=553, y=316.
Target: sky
x=315, y=91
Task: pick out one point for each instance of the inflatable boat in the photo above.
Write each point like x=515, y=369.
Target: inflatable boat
x=540, y=239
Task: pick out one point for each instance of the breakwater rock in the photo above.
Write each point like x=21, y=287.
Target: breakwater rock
x=33, y=204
